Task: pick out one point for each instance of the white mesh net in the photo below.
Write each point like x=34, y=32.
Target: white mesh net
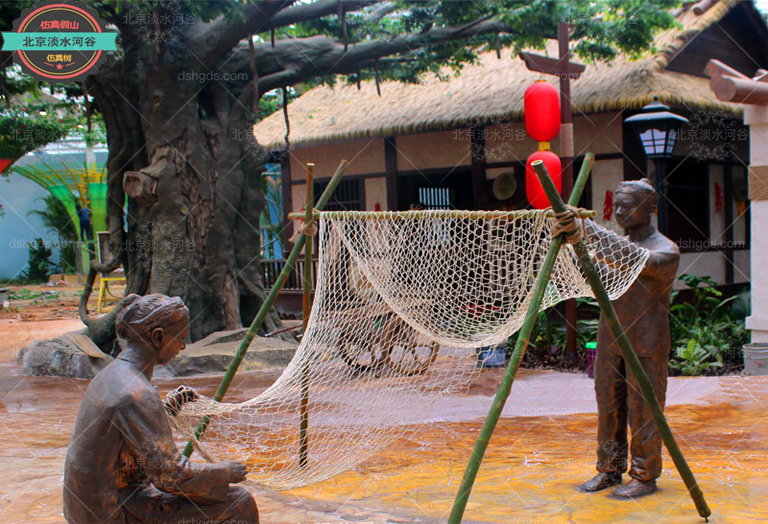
x=403, y=301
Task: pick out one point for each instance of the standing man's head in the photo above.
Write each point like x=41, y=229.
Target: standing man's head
x=634, y=203
x=154, y=322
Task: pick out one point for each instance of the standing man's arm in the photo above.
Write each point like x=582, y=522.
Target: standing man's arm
x=662, y=265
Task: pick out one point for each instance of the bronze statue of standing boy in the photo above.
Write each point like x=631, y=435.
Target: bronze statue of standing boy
x=644, y=313
x=122, y=464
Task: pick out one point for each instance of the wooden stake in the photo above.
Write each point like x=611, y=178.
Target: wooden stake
x=306, y=306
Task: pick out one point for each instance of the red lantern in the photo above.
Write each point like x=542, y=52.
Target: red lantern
x=4, y=163
x=533, y=189
x=542, y=111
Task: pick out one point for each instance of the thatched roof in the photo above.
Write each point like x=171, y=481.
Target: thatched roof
x=493, y=89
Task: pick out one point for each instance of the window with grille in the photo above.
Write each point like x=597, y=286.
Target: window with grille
x=436, y=197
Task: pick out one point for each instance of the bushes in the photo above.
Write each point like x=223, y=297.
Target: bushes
x=707, y=332
x=39, y=265
x=549, y=336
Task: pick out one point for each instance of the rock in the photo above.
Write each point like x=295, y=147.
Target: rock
x=70, y=355
x=214, y=353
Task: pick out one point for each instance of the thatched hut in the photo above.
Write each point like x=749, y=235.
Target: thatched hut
x=443, y=143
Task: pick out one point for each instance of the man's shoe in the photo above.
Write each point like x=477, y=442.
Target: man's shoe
x=634, y=489
x=600, y=482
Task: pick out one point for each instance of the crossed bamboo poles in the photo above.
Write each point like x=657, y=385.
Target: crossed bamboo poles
x=502, y=393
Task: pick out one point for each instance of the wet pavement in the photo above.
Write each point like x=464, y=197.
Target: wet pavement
x=535, y=460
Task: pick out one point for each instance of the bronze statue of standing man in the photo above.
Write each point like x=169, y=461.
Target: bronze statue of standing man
x=123, y=465
x=644, y=313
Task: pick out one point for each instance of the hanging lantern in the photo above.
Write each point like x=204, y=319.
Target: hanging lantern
x=542, y=111
x=4, y=163
x=533, y=190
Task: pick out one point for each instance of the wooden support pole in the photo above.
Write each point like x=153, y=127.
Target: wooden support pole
x=306, y=306
x=630, y=357
x=523, y=339
x=264, y=310
x=434, y=213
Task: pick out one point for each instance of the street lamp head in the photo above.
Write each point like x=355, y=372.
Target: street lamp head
x=657, y=128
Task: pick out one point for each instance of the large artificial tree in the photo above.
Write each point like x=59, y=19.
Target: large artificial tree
x=180, y=97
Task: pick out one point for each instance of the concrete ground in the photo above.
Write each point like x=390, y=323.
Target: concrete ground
x=542, y=449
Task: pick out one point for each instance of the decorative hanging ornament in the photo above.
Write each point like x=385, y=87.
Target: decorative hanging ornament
x=718, y=198
x=608, y=206
x=542, y=111
x=533, y=190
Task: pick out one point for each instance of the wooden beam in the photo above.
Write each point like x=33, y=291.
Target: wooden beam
x=703, y=6
x=739, y=90
x=390, y=170
x=551, y=66
x=478, y=167
x=285, y=175
x=717, y=68
x=728, y=219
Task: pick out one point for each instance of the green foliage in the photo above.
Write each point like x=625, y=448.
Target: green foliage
x=24, y=130
x=601, y=30
x=56, y=218
x=24, y=294
x=550, y=332
x=272, y=102
x=39, y=265
x=708, y=332
x=10, y=10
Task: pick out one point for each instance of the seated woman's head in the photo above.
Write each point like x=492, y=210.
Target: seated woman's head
x=156, y=321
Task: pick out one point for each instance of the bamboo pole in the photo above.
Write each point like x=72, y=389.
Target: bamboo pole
x=306, y=297
x=523, y=339
x=630, y=357
x=264, y=310
x=436, y=213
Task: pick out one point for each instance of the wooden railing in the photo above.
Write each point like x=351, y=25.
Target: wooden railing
x=270, y=269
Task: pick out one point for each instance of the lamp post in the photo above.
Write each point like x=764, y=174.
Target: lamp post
x=658, y=128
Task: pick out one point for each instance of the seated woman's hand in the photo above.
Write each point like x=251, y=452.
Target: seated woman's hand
x=176, y=399
x=237, y=471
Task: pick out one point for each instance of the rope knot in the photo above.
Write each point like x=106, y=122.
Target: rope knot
x=569, y=223
x=309, y=229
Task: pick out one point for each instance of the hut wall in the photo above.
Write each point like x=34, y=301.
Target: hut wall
x=433, y=150
x=365, y=156
x=606, y=175
x=595, y=133
x=375, y=193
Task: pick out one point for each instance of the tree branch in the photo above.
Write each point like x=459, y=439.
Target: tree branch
x=295, y=60
x=221, y=35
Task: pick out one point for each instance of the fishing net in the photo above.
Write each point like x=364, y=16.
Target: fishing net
x=404, y=302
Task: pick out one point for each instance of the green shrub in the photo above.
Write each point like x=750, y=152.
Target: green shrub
x=39, y=265
x=708, y=332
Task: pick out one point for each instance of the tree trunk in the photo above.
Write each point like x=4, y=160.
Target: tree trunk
x=184, y=154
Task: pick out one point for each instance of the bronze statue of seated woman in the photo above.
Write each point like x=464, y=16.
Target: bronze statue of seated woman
x=122, y=464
